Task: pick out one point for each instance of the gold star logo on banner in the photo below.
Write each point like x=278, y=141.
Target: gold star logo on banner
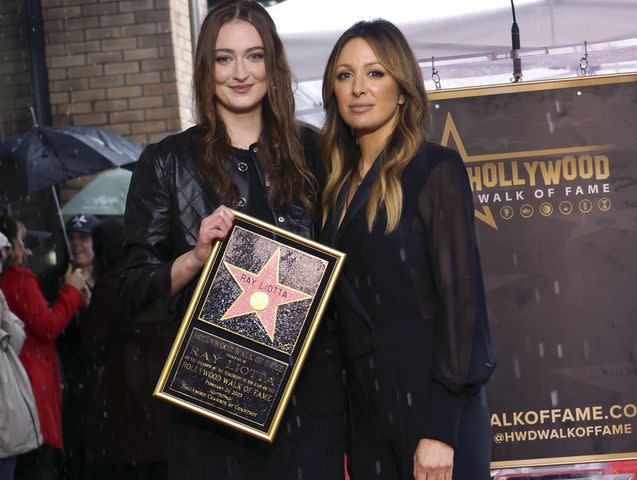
x=484, y=214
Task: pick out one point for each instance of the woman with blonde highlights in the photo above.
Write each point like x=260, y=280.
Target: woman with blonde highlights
x=411, y=305
x=247, y=152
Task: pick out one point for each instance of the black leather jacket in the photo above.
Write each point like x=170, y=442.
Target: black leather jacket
x=164, y=209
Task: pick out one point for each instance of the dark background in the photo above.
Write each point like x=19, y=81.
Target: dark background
x=560, y=289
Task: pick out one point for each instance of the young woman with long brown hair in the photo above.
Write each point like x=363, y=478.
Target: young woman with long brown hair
x=247, y=152
x=411, y=303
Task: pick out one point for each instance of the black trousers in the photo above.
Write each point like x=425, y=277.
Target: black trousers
x=43, y=463
x=310, y=443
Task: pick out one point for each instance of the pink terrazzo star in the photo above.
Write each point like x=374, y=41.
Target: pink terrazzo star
x=262, y=293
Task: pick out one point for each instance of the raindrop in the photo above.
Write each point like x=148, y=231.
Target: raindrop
x=378, y=299
x=299, y=473
x=549, y=120
x=371, y=363
x=369, y=280
x=378, y=470
x=483, y=397
x=537, y=295
x=560, y=353
x=556, y=287
x=403, y=255
x=294, y=400
x=541, y=349
x=390, y=417
x=298, y=421
x=515, y=260
x=409, y=399
x=356, y=282
x=516, y=367
x=587, y=352
x=555, y=398
x=376, y=385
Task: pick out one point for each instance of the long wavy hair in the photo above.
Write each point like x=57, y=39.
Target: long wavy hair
x=339, y=147
x=280, y=143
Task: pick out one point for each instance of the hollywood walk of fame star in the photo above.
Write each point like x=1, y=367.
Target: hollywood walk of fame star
x=262, y=293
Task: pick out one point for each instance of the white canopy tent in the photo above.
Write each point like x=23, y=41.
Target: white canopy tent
x=470, y=39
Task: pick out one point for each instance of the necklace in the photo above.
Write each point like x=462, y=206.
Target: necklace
x=357, y=178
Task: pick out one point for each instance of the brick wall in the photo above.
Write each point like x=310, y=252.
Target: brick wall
x=125, y=65
x=16, y=93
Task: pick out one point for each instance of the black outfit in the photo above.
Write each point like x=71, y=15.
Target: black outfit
x=412, y=313
x=76, y=370
x=124, y=427
x=165, y=206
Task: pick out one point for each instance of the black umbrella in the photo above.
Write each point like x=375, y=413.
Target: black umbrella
x=45, y=156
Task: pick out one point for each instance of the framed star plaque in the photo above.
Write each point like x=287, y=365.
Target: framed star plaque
x=248, y=328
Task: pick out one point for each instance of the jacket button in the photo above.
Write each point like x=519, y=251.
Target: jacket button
x=242, y=202
x=254, y=149
x=242, y=166
x=281, y=219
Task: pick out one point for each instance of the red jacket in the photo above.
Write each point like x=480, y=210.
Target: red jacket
x=43, y=324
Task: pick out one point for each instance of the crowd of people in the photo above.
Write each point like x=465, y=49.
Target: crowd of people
x=396, y=373
x=87, y=375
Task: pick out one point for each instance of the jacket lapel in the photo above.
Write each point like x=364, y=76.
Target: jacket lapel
x=332, y=231
x=360, y=197
x=350, y=297
x=328, y=233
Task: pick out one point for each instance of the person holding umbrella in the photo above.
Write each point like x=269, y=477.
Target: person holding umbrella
x=247, y=152
x=43, y=323
x=80, y=229
x=74, y=358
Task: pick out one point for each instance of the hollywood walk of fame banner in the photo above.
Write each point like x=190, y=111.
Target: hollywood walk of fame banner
x=553, y=169
x=249, y=325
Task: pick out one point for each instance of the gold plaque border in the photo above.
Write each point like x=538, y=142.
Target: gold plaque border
x=188, y=317
x=500, y=89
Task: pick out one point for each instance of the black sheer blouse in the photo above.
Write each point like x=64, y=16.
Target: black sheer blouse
x=418, y=290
